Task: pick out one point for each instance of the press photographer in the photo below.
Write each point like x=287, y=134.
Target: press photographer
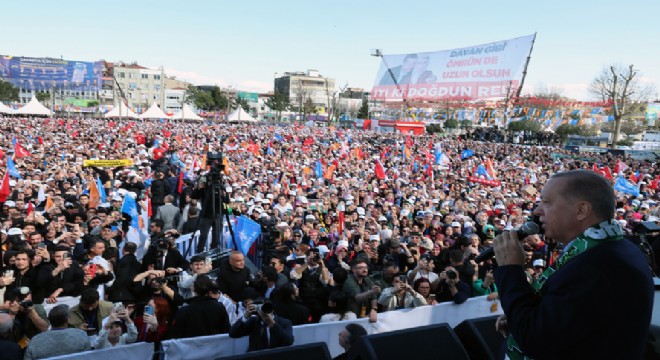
x=164, y=255
x=265, y=329
x=210, y=192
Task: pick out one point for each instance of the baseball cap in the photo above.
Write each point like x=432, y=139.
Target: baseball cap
x=538, y=262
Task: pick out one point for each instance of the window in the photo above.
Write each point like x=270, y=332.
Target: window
x=132, y=75
x=145, y=76
x=156, y=77
x=132, y=86
x=122, y=75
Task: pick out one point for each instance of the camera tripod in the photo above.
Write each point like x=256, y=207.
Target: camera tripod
x=215, y=199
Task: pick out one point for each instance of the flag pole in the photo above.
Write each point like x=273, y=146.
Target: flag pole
x=522, y=81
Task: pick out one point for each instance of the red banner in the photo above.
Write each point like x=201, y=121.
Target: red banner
x=482, y=181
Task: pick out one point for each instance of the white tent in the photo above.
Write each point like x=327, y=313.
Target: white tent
x=154, y=112
x=34, y=107
x=240, y=115
x=188, y=114
x=4, y=109
x=125, y=112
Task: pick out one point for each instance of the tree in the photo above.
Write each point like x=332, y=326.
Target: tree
x=620, y=86
x=628, y=127
x=566, y=129
x=42, y=96
x=278, y=103
x=450, y=124
x=201, y=99
x=220, y=100
x=525, y=125
x=92, y=103
x=8, y=92
x=363, y=113
x=308, y=108
x=242, y=102
x=553, y=94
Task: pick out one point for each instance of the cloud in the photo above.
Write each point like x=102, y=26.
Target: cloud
x=196, y=78
x=199, y=79
x=578, y=91
x=255, y=86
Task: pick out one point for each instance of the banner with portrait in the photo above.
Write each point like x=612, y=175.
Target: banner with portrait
x=44, y=74
x=477, y=72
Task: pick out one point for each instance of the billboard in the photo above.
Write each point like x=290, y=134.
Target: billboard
x=43, y=74
x=652, y=113
x=249, y=96
x=475, y=72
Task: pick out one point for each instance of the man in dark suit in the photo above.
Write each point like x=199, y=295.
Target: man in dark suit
x=567, y=313
x=402, y=74
x=203, y=316
x=265, y=329
x=163, y=255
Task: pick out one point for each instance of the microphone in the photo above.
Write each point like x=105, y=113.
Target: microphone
x=528, y=228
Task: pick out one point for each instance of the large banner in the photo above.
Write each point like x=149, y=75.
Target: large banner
x=43, y=74
x=475, y=72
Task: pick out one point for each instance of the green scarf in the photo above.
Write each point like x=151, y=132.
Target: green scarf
x=606, y=231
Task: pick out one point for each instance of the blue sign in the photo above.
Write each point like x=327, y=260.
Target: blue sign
x=44, y=74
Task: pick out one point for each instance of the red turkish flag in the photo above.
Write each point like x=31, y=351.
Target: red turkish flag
x=4, y=188
x=604, y=171
x=20, y=151
x=158, y=153
x=379, y=170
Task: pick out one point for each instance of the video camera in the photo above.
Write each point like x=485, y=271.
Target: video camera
x=214, y=159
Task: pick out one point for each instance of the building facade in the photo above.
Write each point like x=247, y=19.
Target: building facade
x=141, y=86
x=304, y=86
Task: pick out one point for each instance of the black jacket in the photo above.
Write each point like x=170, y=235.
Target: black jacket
x=202, y=317
x=597, y=306
x=124, y=289
x=159, y=188
x=281, y=334
x=297, y=313
x=70, y=280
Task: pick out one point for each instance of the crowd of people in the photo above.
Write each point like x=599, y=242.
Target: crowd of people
x=354, y=223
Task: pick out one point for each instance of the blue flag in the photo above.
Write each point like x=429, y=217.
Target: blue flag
x=481, y=170
x=466, y=154
x=319, y=169
x=278, y=137
x=626, y=186
x=11, y=168
x=247, y=231
x=130, y=207
x=99, y=186
x=438, y=155
x=415, y=166
x=156, y=143
x=269, y=151
x=14, y=141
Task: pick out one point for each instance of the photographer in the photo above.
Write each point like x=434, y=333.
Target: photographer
x=164, y=255
x=400, y=296
x=312, y=276
x=451, y=288
x=155, y=284
x=29, y=319
x=265, y=329
x=210, y=201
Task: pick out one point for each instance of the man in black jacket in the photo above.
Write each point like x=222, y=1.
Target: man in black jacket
x=570, y=310
x=203, y=316
x=65, y=277
x=234, y=277
x=159, y=188
x=265, y=329
x=124, y=289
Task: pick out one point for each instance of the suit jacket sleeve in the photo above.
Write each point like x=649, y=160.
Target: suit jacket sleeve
x=282, y=332
x=533, y=319
x=242, y=327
